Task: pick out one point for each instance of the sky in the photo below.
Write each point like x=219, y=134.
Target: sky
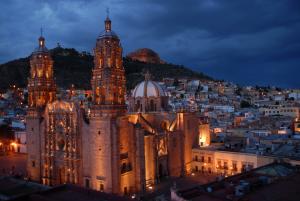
x=255, y=42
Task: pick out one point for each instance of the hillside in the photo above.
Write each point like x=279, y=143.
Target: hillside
x=72, y=67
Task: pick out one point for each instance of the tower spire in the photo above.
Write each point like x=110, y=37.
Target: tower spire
x=147, y=75
x=107, y=13
x=107, y=21
x=41, y=39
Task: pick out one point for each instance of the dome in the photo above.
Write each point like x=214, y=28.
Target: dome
x=146, y=52
x=40, y=50
x=107, y=34
x=145, y=55
x=148, y=88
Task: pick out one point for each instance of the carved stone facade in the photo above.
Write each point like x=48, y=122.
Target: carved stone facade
x=61, y=155
x=110, y=150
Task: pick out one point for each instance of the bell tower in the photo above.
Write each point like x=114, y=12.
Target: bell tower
x=41, y=84
x=107, y=117
x=41, y=90
x=108, y=76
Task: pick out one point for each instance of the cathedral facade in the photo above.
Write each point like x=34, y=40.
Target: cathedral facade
x=114, y=148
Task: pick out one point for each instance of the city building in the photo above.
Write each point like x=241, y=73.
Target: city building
x=272, y=110
x=276, y=181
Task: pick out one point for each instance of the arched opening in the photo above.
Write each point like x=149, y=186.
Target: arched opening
x=137, y=106
x=152, y=106
x=160, y=171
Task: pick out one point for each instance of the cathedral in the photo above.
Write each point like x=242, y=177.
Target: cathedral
x=115, y=147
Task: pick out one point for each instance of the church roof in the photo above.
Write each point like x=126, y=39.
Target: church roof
x=40, y=50
x=148, y=88
x=107, y=34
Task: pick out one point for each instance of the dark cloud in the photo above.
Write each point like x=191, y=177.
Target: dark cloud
x=249, y=42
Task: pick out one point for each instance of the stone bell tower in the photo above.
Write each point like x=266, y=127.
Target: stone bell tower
x=107, y=114
x=41, y=90
x=41, y=84
x=108, y=79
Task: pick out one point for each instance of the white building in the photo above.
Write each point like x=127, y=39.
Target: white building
x=20, y=142
x=273, y=110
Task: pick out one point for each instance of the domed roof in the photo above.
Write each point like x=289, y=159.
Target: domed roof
x=148, y=88
x=146, y=51
x=145, y=55
x=107, y=33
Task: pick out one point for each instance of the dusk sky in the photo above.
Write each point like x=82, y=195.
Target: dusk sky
x=253, y=42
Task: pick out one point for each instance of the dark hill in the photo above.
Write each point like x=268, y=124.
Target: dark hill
x=72, y=67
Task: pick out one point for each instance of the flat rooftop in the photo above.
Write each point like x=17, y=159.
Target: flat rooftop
x=277, y=181
x=11, y=188
x=21, y=190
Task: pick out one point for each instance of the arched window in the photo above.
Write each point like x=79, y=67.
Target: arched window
x=152, y=106
x=138, y=105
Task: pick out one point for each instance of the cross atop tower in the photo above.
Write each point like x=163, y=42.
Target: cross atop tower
x=147, y=75
x=41, y=39
x=107, y=12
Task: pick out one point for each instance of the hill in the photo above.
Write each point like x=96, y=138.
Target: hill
x=73, y=67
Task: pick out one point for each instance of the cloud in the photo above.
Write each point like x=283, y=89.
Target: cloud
x=249, y=42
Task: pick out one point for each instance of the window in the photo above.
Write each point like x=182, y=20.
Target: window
x=219, y=164
x=202, y=159
x=225, y=165
x=32, y=129
x=33, y=163
x=244, y=167
x=125, y=191
x=152, y=105
x=234, y=166
x=87, y=183
x=196, y=158
x=124, y=168
x=99, y=132
x=175, y=144
x=101, y=187
x=209, y=159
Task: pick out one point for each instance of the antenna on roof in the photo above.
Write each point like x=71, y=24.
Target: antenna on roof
x=41, y=31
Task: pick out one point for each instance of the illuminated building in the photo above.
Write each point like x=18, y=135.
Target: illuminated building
x=41, y=91
x=112, y=150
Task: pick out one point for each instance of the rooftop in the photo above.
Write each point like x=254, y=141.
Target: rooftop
x=20, y=190
x=264, y=183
